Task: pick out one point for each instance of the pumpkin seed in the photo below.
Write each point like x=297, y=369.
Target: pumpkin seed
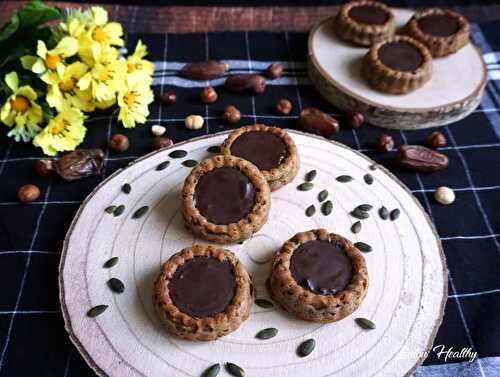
x=110, y=209
x=311, y=175
x=140, y=212
x=365, y=207
x=311, y=210
x=179, y=153
x=212, y=371
x=383, y=213
x=359, y=214
x=119, y=210
x=356, y=227
x=327, y=207
x=235, y=370
x=306, y=347
x=163, y=165
x=364, y=247
x=323, y=195
x=344, y=178
x=96, y=310
x=394, y=214
x=373, y=167
x=214, y=149
x=263, y=303
x=306, y=186
x=116, y=285
x=267, y=333
x=365, y=324
x=111, y=262
x=190, y=163
x=126, y=188
x=368, y=179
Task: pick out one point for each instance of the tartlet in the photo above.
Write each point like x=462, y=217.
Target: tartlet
x=271, y=149
x=318, y=276
x=364, y=22
x=225, y=199
x=202, y=293
x=397, y=65
x=442, y=31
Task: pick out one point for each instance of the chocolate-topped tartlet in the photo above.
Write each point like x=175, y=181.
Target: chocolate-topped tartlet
x=364, y=22
x=225, y=199
x=319, y=276
x=442, y=31
x=271, y=149
x=203, y=293
x=397, y=65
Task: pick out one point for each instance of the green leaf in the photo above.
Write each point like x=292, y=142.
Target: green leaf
x=36, y=13
x=9, y=28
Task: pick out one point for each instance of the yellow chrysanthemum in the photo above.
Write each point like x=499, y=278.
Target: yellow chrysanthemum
x=75, y=22
x=50, y=63
x=136, y=65
x=64, y=132
x=133, y=101
x=103, y=105
x=66, y=89
x=20, y=110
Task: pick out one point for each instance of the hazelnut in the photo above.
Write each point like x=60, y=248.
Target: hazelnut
x=28, y=193
x=118, y=143
x=444, y=195
x=208, y=95
x=355, y=120
x=161, y=142
x=385, y=143
x=158, y=130
x=436, y=140
x=168, y=98
x=194, y=122
x=284, y=106
x=274, y=71
x=44, y=168
x=231, y=115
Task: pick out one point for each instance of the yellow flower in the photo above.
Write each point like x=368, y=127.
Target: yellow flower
x=133, y=101
x=75, y=23
x=21, y=110
x=50, y=63
x=136, y=65
x=66, y=90
x=64, y=132
x=103, y=105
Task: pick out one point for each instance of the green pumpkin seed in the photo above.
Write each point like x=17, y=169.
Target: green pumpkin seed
x=327, y=207
x=235, y=370
x=311, y=175
x=140, y=212
x=179, y=153
x=163, y=165
x=119, y=210
x=111, y=262
x=356, y=227
x=311, y=210
x=97, y=310
x=359, y=214
x=373, y=167
x=126, y=188
x=110, y=209
x=368, y=179
x=364, y=207
x=263, y=303
x=268, y=333
x=394, y=214
x=212, y=371
x=305, y=348
x=116, y=285
x=190, y=163
x=344, y=178
x=383, y=213
x=323, y=195
x=365, y=324
x=364, y=247
x=306, y=186
x=214, y=149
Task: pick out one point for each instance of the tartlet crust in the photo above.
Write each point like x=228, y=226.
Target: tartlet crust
x=230, y=233
x=439, y=46
x=285, y=172
x=351, y=30
x=308, y=305
x=388, y=80
x=208, y=328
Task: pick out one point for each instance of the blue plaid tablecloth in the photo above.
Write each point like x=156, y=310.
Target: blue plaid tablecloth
x=33, y=341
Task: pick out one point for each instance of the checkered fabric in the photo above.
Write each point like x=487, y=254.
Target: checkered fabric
x=33, y=341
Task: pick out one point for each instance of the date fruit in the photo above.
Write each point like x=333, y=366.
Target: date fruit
x=81, y=163
x=246, y=84
x=317, y=122
x=419, y=158
x=202, y=71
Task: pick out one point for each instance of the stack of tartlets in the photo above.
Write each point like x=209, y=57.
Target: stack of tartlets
x=399, y=64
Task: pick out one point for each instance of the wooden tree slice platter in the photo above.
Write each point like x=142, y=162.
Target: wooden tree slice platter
x=407, y=269
x=453, y=92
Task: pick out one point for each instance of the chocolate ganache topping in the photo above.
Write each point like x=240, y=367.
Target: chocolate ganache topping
x=321, y=267
x=263, y=149
x=400, y=56
x=439, y=25
x=224, y=195
x=202, y=286
x=369, y=15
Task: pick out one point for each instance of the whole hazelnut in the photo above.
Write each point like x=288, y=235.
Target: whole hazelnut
x=44, y=168
x=231, y=115
x=436, y=140
x=444, y=195
x=284, y=106
x=385, y=143
x=168, y=98
x=118, y=143
x=355, y=120
x=28, y=193
x=274, y=71
x=161, y=142
x=208, y=95
x=158, y=130
x=194, y=122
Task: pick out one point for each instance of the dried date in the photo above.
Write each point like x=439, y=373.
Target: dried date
x=419, y=158
x=317, y=122
x=246, y=84
x=81, y=163
x=202, y=71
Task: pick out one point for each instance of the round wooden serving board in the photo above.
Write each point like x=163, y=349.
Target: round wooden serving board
x=453, y=92
x=407, y=270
